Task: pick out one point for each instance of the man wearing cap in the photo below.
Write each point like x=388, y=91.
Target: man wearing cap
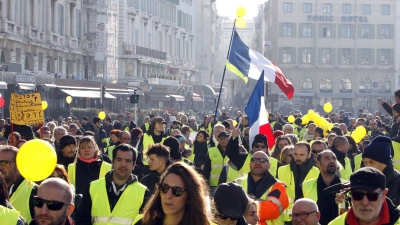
x=305, y=211
x=99, y=134
x=369, y=203
x=263, y=186
x=67, y=153
x=214, y=137
x=192, y=124
x=146, y=125
x=230, y=209
x=185, y=152
x=377, y=154
x=174, y=126
x=85, y=124
x=215, y=161
x=173, y=143
x=340, y=146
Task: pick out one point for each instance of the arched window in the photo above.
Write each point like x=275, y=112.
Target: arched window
x=384, y=85
x=365, y=85
x=326, y=85
x=345, y=85
x=306, y=84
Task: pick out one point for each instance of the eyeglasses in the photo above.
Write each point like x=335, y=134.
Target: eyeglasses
x=371, y=196
x=289, y=155
x=176, y=191
x=260, y=160
x=302, y=215
x=316, y=151
x=5, y=162
x=51, y=205
x=259, y=146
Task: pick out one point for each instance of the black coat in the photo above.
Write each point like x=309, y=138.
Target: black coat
x=393, y=184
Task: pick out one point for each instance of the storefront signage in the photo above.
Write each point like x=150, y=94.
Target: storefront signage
x=361, y=19
x=25, y=78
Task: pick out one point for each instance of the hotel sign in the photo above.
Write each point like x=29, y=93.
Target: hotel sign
x=361, y=19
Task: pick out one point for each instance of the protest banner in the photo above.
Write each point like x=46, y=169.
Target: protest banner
x=26, y=109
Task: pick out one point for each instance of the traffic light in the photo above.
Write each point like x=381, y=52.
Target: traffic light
x=103, y=93
x=134, y=98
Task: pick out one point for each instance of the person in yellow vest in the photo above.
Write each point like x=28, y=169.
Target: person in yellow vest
x=174, y=126
x=288, y=129
x=146, y=125
x=176, y=155
x=184, y=149
x=204, y=125
x=89, y=165
x=343, y=127
x=340, y=147
x=369, y=203
x=313, y=189
x=113, y=142
x=263, y=186
x=20, y=190
x=214, y=137
x=300, y=169
x=297, y=127
x=215, y=161
x=118, y=197
x=305, y=211
x=192, y=124
x=11, y=216
x=317, y=147
x=373, y=129
x=54, y=203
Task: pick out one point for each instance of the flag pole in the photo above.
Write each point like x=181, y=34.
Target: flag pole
x=223, y=77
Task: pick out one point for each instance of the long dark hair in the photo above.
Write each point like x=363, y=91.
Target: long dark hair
x=204, y=133
x=195, y=211
x=276, y=153
x=3, y=192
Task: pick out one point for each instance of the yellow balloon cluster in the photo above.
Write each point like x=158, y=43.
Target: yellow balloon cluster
x=240, y=21
x=359, y=134
x=291, y=119
x=318, y=120
x=102, y=115
x=44, y=105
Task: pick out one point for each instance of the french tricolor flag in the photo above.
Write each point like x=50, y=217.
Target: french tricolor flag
x=247, y=63
x=257, y=114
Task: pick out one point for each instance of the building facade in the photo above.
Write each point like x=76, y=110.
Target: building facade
x=340, y=52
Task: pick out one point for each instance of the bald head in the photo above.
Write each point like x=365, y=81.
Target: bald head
x=260, y=154
x=60, y=185
x=124, y=137
x=339, y=141
x=305, y=206
x=306, y=202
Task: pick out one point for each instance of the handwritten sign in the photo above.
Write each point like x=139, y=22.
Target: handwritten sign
x=26, y=109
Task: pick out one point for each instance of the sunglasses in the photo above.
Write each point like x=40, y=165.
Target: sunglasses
x=289, y=155
x=259, y=146
x=51, y=205
x=371, y=196
x=316, y=151
x=5, y=162
x=176, y=191
x=261, y=160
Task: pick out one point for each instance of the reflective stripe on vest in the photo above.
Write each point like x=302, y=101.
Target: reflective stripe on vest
x=126, y=209
x=396, y=156
x=346, y=171
x=357, y=161
x=217, y=163
x=147, y=141
x=104, y=168
x=286, y=176
x=20, y=199
x=9, y=216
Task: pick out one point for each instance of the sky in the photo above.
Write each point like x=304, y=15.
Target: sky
x=229, y=7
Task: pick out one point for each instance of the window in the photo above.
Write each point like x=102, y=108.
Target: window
x=306, y=84
x=384, y=85
x=136, y=37
x=287, y=55
x=60, y=19
x=306, y=55
x=365, y=57
x=327, y=8
x=384, y=56
x=78, y=24
x=345, y=85
x=227, y=35
x=307, y=30
x=326, y=30
x=385, y=9
x=287, y=7
x=326, y=85
x=346, y=9
x=365, y=30
x=148, y=40
x=326, y=56
x=287, y=29
x=178, y=47
x=385, y=29
x=307, y=7
x=366, y=9
x=365, y=85
x=345, y=56
x=346, y=31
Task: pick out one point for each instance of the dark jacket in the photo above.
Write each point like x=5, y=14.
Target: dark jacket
x=99, y=138
x=200, y=153
x=65, y=161
x=233, y=152
x=152, y=179
x=388, y=108
x=108, y=129
x=393, y=184
x=84, y=214
x=88, y=126
x=69, y=221
x=299, y=173
x=25, y=131
x=86, y=173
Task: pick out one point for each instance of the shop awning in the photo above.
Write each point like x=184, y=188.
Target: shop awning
x=158, y=97
x=208, y=92
x=197, y=99
x=3, y=85
x=376, y=94
x=26, y=86
x=80, y=94
x=178, y=98
x=50, y=85
x=336, y=95
x=109, y=96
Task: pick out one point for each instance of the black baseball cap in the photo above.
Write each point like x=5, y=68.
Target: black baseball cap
x=158, y=120
x=368, y=179
x=227, y=205
x=223, y=134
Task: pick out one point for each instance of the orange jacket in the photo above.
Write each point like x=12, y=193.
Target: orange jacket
x=277, y=201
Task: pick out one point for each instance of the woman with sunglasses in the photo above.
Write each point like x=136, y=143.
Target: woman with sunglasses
x=286, y=155
x=180, y=198
x=88, y=166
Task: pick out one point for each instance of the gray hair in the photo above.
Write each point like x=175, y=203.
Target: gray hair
x=219, y=126
x=287, y=125
x=59, y=128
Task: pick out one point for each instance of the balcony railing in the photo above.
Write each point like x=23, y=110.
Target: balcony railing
x=142, y=51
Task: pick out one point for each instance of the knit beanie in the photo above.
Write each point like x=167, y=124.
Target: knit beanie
x=260, y=138
x=66, y=140
x=96, y=119
x=173, y=145
x=379, y=150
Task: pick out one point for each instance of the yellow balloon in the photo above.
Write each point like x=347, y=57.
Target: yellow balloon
x=68, y=99
x=359, y=134
x=240, y=12
x=328, y=107
x=291, y=119
x=240, y=23
x=305, y=119
x=36, y=160
x=44, y=105
x=102, y=115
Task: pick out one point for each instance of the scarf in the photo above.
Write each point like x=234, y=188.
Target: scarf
x=87, y=160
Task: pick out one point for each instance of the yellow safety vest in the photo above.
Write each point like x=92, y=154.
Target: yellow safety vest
x=147, y=126
x=340, y=220
x=137, y=219
x=108, y=142
x=210, y=129
x=285, y=175
x=104, y=168
x=110, y=151
x=278, y=221
x=20, y=199
x=346, y=171
x=217, y=163
x=232, y=174
x=357, y=162
x=147, y=141
x=396, y=156
x=126, y=209
x=9, y=216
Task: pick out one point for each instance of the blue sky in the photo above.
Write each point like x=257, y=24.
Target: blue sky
x=229, y=7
